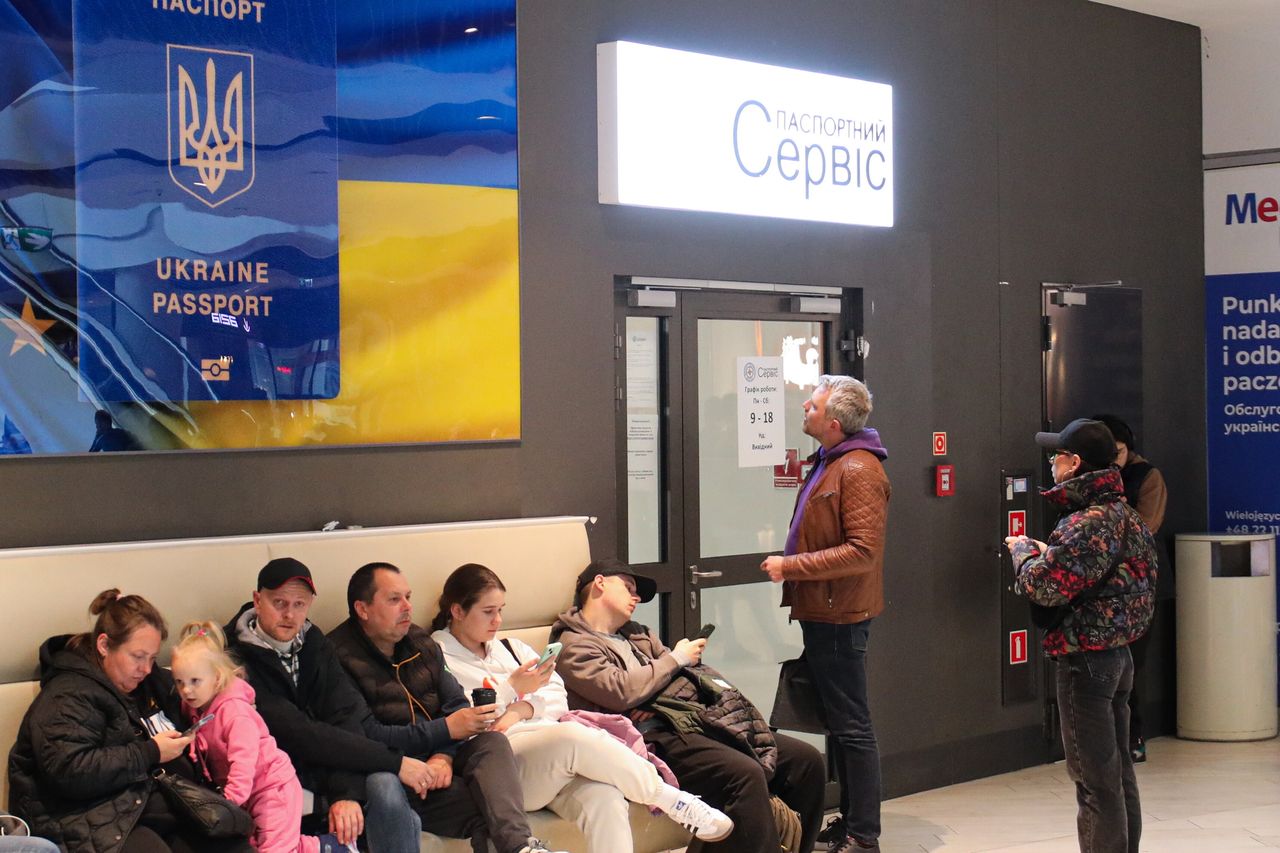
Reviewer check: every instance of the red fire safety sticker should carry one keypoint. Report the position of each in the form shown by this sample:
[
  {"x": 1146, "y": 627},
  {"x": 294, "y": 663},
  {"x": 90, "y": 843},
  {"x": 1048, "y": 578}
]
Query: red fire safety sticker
[
  {"x": 945, "y": 480},
  {"x": 1018, "y": 646},
  {"x": 1018, "y": 522}
]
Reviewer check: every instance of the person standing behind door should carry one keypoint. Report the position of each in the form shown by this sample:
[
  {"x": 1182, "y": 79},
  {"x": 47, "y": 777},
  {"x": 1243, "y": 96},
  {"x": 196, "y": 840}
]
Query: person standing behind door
[
  {"x": 1098, "y": 568},
  {"x": 832, "y": 571},
  {"x": 1146, "y": 492}
]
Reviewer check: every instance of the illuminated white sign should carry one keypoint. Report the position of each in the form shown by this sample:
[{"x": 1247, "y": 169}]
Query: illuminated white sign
[{"x": 694, "y": 132}]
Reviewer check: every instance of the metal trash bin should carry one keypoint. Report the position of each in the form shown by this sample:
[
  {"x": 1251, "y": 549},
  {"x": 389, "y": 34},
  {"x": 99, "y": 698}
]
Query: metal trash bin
[{"x": 1226, "y": 636}]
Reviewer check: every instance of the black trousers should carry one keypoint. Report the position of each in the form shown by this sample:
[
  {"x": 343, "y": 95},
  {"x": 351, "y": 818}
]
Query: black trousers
[
  {"x": 734, "y": 782},
  {"x": 145, "y": 840},
  {"x": 158, "y": 831},
  {"x": 1093, "y": 697}
]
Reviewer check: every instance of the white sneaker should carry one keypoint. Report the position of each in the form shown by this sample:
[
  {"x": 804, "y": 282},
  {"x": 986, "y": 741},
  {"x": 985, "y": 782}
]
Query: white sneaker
[
  {"x": 536, "y": 846},
  {"x": 704, "y": 821}
]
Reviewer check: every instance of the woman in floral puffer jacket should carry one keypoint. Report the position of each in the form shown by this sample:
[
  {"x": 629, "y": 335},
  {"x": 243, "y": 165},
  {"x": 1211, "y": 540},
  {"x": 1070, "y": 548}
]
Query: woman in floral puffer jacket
[{"x": 1098, "y": 568}]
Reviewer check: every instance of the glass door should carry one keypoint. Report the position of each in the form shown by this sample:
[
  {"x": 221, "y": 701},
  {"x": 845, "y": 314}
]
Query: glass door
[{"x": 703, "y": 504}]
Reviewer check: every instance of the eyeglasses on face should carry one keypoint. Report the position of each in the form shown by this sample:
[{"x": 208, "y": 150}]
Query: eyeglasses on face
[{"x": 1053, "y": 455}]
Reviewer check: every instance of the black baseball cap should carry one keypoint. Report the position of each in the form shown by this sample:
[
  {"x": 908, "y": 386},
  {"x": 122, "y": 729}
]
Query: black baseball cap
[
  {"x": 281, "y": 570},
  {"x": 646, "y": 587},
  {"x": 1090, "y": 440}
]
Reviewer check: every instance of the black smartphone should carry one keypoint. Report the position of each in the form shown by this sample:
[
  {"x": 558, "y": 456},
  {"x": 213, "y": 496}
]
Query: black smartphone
[{"x": 703, "y": 632}]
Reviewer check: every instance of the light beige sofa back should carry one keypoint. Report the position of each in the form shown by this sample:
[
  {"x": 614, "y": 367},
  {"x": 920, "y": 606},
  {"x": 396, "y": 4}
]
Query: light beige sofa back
[{"x": 47, "y": 590}]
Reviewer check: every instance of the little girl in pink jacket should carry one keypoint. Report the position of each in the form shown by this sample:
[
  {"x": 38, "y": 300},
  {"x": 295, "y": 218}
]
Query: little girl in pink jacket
[{"x": 239, "y": 753}]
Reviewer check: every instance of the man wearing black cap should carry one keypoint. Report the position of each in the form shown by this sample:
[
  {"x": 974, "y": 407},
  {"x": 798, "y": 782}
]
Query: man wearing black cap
[
  {"x": 1097, "y": 573},
  {"x": 614, "y": 665},
  {"x": 319, "y": 718}
]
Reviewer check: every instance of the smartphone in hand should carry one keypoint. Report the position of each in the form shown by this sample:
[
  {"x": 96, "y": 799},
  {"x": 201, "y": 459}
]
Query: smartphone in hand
[
  {"x": 703, "y": 632},
  {"x": 549, "y": 652},
  {"x": 198, "y": 725}
]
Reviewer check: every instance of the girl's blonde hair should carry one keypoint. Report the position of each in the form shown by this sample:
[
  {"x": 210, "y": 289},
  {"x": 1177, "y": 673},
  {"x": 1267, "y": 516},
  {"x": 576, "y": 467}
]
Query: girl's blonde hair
[{"x": 206, "y": 638}]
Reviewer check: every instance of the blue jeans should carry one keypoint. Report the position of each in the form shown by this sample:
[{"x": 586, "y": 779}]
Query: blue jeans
[
  {"x": 837, "y": 655},
  {"x": 1093, "y": 702},
  {"x": 390, "y": 825},
  {"x": 26, "y": 844}
]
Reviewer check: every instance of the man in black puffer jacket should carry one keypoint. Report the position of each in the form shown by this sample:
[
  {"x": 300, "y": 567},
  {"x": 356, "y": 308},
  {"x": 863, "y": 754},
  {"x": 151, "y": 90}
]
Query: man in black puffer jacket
[{"x": 401, "y": 673}]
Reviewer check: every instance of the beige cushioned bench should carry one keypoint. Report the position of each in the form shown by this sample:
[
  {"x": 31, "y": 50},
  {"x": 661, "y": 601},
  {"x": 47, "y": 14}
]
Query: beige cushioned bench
[{"x": 47, "y": 591}]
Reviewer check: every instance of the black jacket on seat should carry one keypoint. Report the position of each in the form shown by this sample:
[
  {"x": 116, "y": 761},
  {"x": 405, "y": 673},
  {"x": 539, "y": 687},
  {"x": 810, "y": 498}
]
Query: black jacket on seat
[{"x": 80, "y": 771}]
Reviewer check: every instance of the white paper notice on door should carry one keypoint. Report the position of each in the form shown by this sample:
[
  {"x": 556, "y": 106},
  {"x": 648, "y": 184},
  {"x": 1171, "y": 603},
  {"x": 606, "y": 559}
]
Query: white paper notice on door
[{"x": 761, "y": 415}]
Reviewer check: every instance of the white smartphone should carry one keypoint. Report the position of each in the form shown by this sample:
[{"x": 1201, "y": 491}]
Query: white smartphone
[{"x": 198, "y": 725}]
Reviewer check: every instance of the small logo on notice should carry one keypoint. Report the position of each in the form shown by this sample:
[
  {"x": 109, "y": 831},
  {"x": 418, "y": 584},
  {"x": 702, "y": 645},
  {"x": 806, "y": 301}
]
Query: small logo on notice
[
  {"x": 216, "y": 369},
  {"x": 749, "y": 372},
  {"x": 211, "y": 122}
]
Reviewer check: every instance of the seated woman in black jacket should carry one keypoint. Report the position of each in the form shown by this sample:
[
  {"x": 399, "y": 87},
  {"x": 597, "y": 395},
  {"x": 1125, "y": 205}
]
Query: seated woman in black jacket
[{"x": 81, "y": 770}]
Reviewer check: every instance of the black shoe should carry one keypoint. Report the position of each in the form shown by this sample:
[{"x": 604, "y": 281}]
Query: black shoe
[
  {"x": 1138, "y": 751},
  {"x": 850, "y": 845},
  {"x": 833, "y": 832}
]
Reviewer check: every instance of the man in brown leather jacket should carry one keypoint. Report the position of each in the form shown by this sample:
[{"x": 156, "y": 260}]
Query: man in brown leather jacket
[{"x": 832, "y": 571}]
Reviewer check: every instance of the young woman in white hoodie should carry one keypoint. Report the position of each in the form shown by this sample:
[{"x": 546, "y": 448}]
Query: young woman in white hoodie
[{"x": 555, "y": 759}]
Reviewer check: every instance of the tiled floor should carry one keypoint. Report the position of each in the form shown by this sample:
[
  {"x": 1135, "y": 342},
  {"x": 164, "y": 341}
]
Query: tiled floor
[{"x": 1211, "y": 797}]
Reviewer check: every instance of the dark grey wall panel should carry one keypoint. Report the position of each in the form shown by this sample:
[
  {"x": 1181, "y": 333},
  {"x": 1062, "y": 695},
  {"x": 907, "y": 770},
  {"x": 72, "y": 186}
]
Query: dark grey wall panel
[
  {"x": 1100, "y": 179},
  {"x": 1035, "y": 139}
]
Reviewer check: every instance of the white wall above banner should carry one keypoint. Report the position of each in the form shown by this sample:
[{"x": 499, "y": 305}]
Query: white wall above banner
[{"x": 688, "y": 131}]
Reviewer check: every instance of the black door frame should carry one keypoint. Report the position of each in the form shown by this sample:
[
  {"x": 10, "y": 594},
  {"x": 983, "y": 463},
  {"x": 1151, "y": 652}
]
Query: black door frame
[
  {"x": 677, "y": 370},
  {"x": 1056, "y": 378}
]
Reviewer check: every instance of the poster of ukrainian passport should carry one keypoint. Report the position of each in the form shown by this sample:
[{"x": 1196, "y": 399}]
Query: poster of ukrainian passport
[
  {"x": 207, "y": 199},
  {"x": 256, "y": 223}
]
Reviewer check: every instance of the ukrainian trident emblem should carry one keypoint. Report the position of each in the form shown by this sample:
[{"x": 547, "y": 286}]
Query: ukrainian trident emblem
[{"x": 211, "y": 121}]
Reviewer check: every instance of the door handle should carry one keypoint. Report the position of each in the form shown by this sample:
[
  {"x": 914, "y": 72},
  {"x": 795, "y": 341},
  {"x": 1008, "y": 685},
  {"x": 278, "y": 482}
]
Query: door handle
[{"x": 694, "y": 574}]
